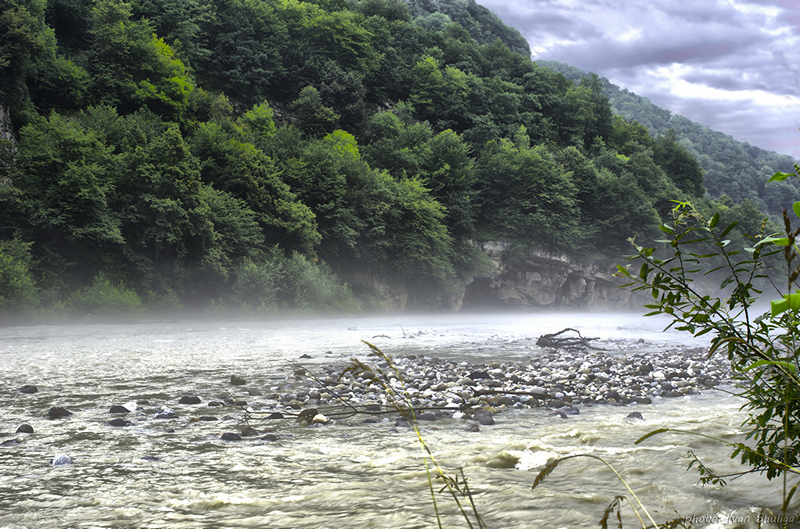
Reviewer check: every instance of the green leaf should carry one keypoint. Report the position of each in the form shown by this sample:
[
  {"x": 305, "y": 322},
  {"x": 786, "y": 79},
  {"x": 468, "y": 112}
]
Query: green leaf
[
  {"x": 780, "y": 177},
  {"x": 796, "y": 208},
  {"x": 714, "y": 221},
  {"x": 791, "y": 367}
]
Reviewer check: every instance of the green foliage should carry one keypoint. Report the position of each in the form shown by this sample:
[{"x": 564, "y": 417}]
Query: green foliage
[
  {"x": 104, "y": 299},
  {"x": 19, "y": 295},
  {"x": 292, "y": 283},
  {"x": 762, "y": 348}
]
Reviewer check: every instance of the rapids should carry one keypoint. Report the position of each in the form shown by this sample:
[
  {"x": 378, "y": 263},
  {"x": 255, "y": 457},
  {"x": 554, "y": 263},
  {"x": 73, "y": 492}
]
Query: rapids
[{"x": 346, "y": 474}]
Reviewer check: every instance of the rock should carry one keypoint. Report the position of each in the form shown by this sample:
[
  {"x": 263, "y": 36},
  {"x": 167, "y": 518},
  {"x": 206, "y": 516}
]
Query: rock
[
  {"x": 25, "y": 428},
  {"x": 186, "y": 399},
  {"x": 304, "y": 356},
  {"x": 166, "y": 413},
  {"x": 373, "y": 407},
  {"x": 271, "y": 437},
  {"x": 559, "y": 413},
  {"x": 29, "y": 389},
  {"x": 307, "y": 414},
  {"x": 370, "y": 420},
  {"x": 249, "y": 432},
  {"x": 320, "y": 419},
  {"x": 230, "y": 436},
  {"x": 10, "y": 442},
  {"x": 119, "y": 409},
  {"x": 208, "y": 418},
  {"x": 236, "y": 380},
  {"x": 473, "y": 427},
  {"x": 61, "y": 459},
  {"x": 426, "y": 416},
  {"x": 402, "y": 423},
  {"x": 275, "y": 415},
  {"x": 484, "y": 417},
  {"x": 635, "y": 415},
  {"x": 150, "y": 458},
  {"x": 58, "y": 412},
  {"x": 478, "y": 375},
  {"x": 119, "y": 422}
]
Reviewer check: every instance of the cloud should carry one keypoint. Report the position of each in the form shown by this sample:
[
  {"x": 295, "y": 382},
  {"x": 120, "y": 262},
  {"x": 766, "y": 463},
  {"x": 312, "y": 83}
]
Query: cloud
[{"x": 733, "y": 65}]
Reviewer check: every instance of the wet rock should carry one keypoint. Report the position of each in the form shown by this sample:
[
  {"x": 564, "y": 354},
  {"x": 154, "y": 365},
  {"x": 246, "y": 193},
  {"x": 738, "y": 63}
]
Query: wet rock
[
  {"x": 307, "y": 414},
  {"x": 186, "y": 399},
  {"x": 635, "y": 415},
  {"x": 560, "y": 414},
  {"x": 373, "y": 407},
  {"x": 473, "y": 427},
  {"x": 150, "y": 458},
  {"x": 402, "y": 423},
  {"x": 61, "y": 459},
  {"x": 271, "y": 437},
  {"x": 166, "y": 413},
  {"x": 10, "y": 442},
  {"x": 275, "y": 415},
  {"x": 305, "y": 356},
  {"x": 320, "y": 419},
  {"x": 483, "y": 417},
  {"x": 57, "y": 412},
  {"x": 25, "y": 428},
  {"x": 236, "y": 380},
  {"x": 230, "y": 436},
  {"x": 119, "y": 409},
  {"x": 28, "y": 389},
  {"x": 247, "y": 431},
  {"x": 426, "y": 416},
  {"x": 370, "y": 420},
  {"x": 119, "y": 422},
  {"x": 208, "y": 418}
]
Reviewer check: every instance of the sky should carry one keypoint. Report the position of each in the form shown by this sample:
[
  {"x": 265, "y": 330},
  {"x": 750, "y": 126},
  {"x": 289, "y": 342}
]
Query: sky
[{"x": 732, "y": 65}]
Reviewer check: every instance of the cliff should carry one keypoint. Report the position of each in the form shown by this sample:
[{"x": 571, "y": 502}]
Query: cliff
[{"x": 548, "y": 280}]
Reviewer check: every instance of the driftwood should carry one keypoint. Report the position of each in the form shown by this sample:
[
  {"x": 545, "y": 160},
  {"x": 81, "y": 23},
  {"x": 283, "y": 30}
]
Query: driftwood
[{"x": 557, "y": 341}]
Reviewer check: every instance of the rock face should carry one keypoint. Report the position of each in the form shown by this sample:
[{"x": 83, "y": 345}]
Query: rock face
[{"x": 541, "y": 279}]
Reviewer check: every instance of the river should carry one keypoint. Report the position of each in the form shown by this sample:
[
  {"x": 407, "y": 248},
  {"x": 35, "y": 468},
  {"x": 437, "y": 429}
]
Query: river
[{"x": 179, "y": 474}]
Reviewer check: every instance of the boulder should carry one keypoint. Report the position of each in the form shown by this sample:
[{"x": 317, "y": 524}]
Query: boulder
[
  {"x": 230, "y": 436},
  {"x": 61, "y": 459},
  {"x": 119, "y": 409},
  {"x": 57, "y": 412},
  {"x": 25, "y": 428},
  {"x": 166, "y": 413},
  {"x": 635, "y": 416},
  {"x": 186, "y": 399},
  {"x": 29, "y": 389},
  {"x": 484, "y": 417},
  {"x": 10, "y": 442},
  {"x": 249, "y": 432},
  {"x": 119, "y": 422},
  {"x": 426, "y": 416},
  {"x": 236, "y": 380}
]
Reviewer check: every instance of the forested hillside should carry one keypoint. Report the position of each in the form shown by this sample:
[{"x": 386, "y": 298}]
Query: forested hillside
[
  {"x": 288, "y": 155},
  {"x": 731, "y": 167}
]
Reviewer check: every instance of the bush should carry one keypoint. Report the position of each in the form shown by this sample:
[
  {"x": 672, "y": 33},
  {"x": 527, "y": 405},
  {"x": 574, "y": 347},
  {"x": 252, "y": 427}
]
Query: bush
[
  {"x": 19, "y": 294},
  {"x": 104, "y": 299}
]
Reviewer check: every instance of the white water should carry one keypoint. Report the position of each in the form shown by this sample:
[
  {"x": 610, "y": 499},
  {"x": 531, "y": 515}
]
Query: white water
[{"x": 349, "y": 474}]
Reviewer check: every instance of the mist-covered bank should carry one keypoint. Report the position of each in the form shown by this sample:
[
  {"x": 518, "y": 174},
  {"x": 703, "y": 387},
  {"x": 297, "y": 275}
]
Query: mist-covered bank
[{"x": 178, "y": 472}]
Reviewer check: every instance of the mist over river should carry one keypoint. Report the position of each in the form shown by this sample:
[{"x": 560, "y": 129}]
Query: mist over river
[{"x": 179, "y": 473}]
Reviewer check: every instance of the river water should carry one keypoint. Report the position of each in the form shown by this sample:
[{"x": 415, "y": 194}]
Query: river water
[{"x": 347, "y": 474}]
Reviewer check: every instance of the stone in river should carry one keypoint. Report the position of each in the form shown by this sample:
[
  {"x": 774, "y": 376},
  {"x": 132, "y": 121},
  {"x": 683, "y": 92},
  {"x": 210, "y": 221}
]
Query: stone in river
[
  {"x": 57, "y": 412},
  {"x": 166, "y": 413},
  {"x": 236, "y": 380},
  {"x": 271, "y": 437},
  {"x": 61, "y": 459},
  {"x": 10, "y": 442},
  {"x": 484, "y": 417},
  {"x": 275, "y": 415},
  {"x": 427, "y": 416},
  {"x": 119, "y": 422},
  {"x": 186, "y": 399},
  {"x": 635, "y": 415},
  {"x": 25, "y": 428},
  {"x": 249, "y": 432},
  {"x": 230, "y": 436},
  {"x": 119, "y": 409},
  {"x": 29, "y": 389},
  {"x": 473, "y": 427}
]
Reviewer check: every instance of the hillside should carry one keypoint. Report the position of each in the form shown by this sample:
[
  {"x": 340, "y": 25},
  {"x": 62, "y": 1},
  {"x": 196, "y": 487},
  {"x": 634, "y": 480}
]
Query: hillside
[
  {"x": 278, "y": 155},
  {"x": 733, "y": 168}
]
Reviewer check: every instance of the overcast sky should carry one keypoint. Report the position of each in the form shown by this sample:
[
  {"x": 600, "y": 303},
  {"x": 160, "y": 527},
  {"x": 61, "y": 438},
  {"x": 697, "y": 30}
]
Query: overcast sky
[{"x": 731, "y": 65}]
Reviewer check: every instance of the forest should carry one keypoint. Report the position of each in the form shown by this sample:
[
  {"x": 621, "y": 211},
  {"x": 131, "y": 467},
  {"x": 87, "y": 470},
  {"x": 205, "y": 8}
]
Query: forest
[{"x": 282, "y": 155}]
